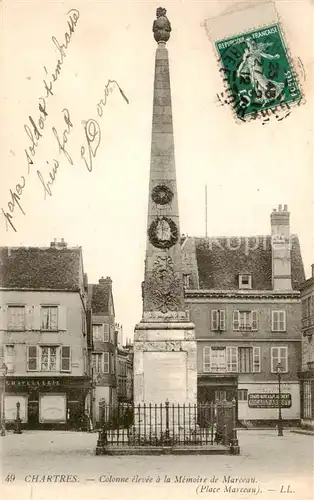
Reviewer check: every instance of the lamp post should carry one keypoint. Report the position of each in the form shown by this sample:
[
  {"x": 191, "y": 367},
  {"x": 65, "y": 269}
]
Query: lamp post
[
  {"x": 3, "y": 372},
  {"x": 279, "y": 369}
]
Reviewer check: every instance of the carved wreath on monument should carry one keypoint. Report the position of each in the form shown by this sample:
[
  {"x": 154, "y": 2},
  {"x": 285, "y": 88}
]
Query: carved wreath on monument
[
  {"x": 164, "y": 285},
  {"x": 163, "y": 232},
  {"x": 162, "y": 195}
]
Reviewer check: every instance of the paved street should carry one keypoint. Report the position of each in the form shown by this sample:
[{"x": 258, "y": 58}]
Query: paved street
[{"x": 48, "y": 464}]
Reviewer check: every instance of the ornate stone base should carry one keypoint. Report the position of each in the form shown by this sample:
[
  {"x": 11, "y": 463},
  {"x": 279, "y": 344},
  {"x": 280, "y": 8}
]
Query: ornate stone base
[{"x": 165, "y": 363}]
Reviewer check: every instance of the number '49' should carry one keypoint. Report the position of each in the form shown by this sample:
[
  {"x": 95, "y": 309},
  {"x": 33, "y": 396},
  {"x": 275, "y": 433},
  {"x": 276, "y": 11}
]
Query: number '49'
[{"x": 10, "y": 478}]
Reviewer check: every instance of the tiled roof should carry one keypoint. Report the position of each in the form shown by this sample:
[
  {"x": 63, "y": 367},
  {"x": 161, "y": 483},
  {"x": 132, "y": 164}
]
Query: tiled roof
[
  {"x": 220, "y": 260},
  {"x": 99, "y": 297},
  {"x": 45, "y": 268}
]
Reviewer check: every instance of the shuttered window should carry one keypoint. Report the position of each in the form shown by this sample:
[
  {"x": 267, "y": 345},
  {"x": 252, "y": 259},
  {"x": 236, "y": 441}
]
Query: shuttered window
[
  {"x": 65, "y": 359},
  {"x": 245, "y": 320},
  {"x": 218, "y": 319},
  {"x": 278, "y": 321},
  {"x": 32, "y": 357},
  {"x": 206, "y": 359}
]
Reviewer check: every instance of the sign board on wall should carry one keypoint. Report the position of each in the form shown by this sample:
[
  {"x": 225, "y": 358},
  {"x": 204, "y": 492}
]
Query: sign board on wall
[
  {"x": 269, "y": 400},
  {"x": 52, "y": 408}
]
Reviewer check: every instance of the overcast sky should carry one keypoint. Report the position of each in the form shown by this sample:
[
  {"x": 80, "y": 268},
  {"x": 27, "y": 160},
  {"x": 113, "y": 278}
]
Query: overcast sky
[{"x": 249, "y": 168}]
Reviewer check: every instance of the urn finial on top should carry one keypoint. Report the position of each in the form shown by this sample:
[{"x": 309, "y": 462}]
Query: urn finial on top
[{"x": 161, "y": 26}]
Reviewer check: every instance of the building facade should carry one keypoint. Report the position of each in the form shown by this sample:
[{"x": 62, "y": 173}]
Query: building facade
[
  {"x": 125, "y": 373},
  {"x": 243, "y": 296},
  {"x": 43, "y": 335},
  {"x": 104, "y": 346},
  {"x": 307, "y": 368}
]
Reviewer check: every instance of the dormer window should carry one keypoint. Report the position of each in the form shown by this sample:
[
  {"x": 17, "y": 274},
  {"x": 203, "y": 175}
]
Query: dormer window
[{"x": 245, "y": 281}]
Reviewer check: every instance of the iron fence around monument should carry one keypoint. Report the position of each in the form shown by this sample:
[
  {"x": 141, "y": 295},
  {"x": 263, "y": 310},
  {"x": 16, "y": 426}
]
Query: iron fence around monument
[{"x": 167, "y": 424}]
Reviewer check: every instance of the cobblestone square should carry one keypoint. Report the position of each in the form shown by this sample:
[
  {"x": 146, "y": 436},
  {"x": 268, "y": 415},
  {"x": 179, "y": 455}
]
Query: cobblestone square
[{"x": 50, "y": 464}]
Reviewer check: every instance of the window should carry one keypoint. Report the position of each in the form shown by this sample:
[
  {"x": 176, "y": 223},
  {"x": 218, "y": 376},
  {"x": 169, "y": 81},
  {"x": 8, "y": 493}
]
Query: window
[
  {"x": 16, "y": 318},
  {"x": 220, "y": 359},
  {"x": 220, "y": 395},
  {"x": 112, "y": 334},
  {"x": 112, "y": 363},
  {"x": 106, "y": 332},
  {"x": 242, "y": 394},
  {"x": 48, "y": 359},
  {"x": 232, "y": 359},
  {"x": 32, "y": 358},
  {"x": 278, "y": 323},
  {"x": 98, "y": 333},
  {"x": 7, "y": 357},
  {"x": 279, "y": 355},
  {"x": 306, "y": 307},
  {"x": 245, "y": 281},
  {"x": 65, "y": 359},
  {"x": 186, "y": 280},
  {"x": 206, "y": 359},
  {"x": 100, "y": 362},
  {"x": 245, "y": 320},
  {"x": 49, "y": 318},
  {"x": 218, "y": 319},
  {"x": 249, "y": 359}
]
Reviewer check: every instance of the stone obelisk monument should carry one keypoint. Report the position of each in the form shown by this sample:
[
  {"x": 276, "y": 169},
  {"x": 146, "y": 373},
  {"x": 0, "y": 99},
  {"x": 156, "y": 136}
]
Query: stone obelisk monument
[{"x": 164, "y": 340}]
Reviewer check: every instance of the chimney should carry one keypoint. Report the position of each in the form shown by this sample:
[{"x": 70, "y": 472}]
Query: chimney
[
  {"x": 53, "y": 243},
  {"x": 105, "y": 281},
  {"x": 281, "y": 251},
  {"x": 312, "y": 270}
]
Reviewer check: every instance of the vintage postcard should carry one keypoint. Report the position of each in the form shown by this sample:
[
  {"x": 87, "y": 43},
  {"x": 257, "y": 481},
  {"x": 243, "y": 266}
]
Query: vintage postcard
[{"x": 156, "y": 249}]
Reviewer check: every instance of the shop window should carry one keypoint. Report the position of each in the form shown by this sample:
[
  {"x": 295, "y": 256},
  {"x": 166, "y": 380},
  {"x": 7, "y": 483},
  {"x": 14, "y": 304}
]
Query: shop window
[
  {"x": 242, "y": 394},
  {"x": 10, "y": 407},
  {"x": 52, "y": 408},
  {"x": 16, "y": 318}
]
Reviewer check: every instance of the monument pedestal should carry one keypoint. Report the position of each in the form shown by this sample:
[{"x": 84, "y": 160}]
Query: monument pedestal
[
  {"x": 165, "y": 363},
  {"x": 165, "y": 379}
]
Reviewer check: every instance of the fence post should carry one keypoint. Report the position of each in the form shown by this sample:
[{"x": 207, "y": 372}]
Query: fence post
[
  {"x": 167, "y": 437},
  {"x": 234, "y": 448}
]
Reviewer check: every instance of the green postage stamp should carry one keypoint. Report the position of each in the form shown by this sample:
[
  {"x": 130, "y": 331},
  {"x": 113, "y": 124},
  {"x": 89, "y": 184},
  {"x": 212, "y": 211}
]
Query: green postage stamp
[{"x": 257, "y": 70}]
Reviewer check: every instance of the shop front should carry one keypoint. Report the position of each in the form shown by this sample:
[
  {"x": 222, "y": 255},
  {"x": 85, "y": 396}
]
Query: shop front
[
  {"x": 47, "y": 402},
  {"x": 258, "y": 403},
  {"x": 212, "y": 388}
]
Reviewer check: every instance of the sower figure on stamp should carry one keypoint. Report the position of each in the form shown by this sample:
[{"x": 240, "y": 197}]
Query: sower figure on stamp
[
  {"x": 252, "y": 65},
  {"x": 161, "y": 26}
]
